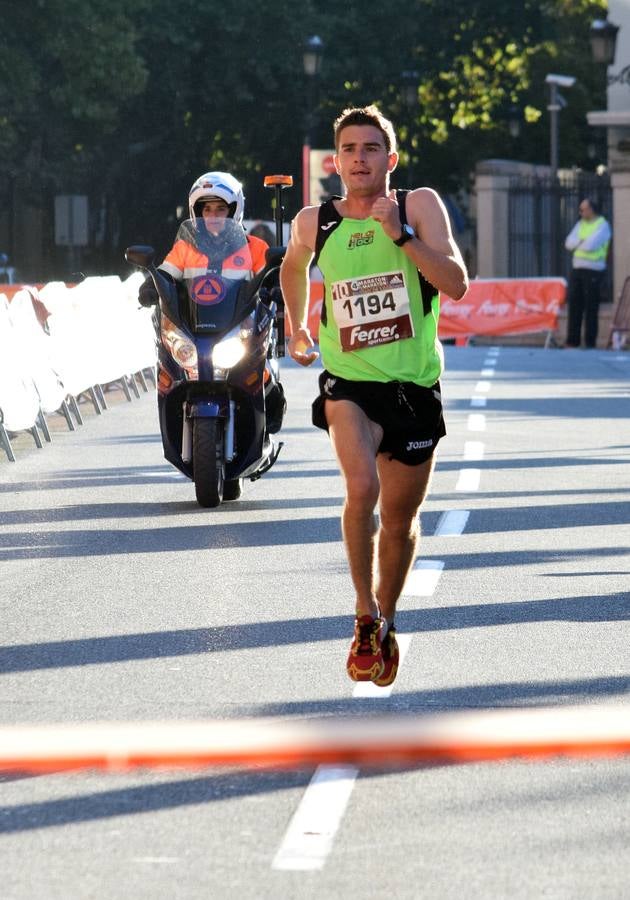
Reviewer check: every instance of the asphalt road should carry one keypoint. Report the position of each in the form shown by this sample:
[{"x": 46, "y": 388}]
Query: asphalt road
[{"x": 122, "y": 600}]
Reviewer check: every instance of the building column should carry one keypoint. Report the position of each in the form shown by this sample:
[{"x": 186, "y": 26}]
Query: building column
[
  {"x": 492, "y": 225},
  {"x": 620, "y": 182}
]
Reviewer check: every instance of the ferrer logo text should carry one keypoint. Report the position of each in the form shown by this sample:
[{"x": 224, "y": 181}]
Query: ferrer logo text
[{"x": 373, "y": 336}]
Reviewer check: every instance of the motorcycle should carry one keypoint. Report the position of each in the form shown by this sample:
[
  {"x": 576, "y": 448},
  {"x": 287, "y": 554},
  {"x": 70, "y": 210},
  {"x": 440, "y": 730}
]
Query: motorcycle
[{"x": 219, "y": 338}]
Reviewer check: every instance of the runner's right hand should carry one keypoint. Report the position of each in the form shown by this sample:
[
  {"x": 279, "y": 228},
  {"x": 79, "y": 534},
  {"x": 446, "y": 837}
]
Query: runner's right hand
[{"x": 301, "y": 347}]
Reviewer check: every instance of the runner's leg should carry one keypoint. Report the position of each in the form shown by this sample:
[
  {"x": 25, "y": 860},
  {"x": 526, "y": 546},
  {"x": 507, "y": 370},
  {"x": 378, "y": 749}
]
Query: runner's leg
[
  {"x": 355, "y": 439},
  {"x": 403, "y": 488}
]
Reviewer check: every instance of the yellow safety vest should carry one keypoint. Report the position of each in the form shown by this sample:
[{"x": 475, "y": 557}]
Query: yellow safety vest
[{"x": 585, "y": 230}]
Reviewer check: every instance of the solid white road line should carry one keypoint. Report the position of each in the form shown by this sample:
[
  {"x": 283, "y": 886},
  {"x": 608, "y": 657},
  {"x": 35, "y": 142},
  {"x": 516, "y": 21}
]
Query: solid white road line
[
  {"x": 468, "y": 480},
  {"x": 452, "y": 523},
  {"x": 311, "y": 832},
  {"x": 473, "y": 451},
  {"x": 476, "y": 422},
  {"x": 368, "y": 688}
]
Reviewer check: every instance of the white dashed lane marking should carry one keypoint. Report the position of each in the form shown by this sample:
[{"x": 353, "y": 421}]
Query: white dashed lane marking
[
  {"x": 311, "y": 832},
  {"x": 423, "y": 578},
  {"x": 476, "y": 422},
  {"x": 452, "y": 523},
  {"x": 473, "y": 451},
  {"x": 468, "y": 480}
]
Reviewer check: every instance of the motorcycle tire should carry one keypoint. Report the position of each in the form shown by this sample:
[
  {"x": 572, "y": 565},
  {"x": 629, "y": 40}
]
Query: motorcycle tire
[
  {"x": 208, "y": 461},
  {"x": 232, "y": 489}
]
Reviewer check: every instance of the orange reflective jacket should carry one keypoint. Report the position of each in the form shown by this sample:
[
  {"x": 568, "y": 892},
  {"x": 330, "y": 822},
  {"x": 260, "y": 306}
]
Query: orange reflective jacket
[{"x": 184, "y": 261}]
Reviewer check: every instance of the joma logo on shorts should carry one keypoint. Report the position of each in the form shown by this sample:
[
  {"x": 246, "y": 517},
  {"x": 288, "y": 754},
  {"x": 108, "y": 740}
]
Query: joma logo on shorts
[{"x": 419, "y": 445}]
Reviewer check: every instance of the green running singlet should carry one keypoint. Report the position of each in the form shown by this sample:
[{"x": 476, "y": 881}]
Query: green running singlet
[{"x": 380, "y": 315}]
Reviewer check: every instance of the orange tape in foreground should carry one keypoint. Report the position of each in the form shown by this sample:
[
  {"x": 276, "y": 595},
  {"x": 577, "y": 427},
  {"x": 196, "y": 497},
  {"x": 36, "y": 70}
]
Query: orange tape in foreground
[{"x": 377, "y": 741}]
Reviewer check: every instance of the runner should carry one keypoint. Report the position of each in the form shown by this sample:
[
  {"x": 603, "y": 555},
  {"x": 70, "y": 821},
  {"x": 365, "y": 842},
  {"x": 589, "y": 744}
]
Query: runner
[{"x": 384, "y": 256}]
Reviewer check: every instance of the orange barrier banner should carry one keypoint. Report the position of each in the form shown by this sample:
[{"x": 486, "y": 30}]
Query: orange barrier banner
[
  {"x": 490, "y": 306},
  {"x": 446, "y": 738},
  {"x": 503, "y": 306}
]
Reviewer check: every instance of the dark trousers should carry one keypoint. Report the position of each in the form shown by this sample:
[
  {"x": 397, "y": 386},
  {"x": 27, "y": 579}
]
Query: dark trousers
[{"x": 584, "y": 293}]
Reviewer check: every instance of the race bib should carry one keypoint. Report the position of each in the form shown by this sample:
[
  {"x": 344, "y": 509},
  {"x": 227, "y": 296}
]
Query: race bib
[{"x": 372, "y": 311}]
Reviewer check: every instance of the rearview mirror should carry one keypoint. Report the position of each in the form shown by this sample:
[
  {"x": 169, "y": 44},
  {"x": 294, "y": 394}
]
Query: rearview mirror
[{"x": 140, "y": 255}]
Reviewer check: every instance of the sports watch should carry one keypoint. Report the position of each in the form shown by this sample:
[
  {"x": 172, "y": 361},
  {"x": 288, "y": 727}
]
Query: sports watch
[{"x": 407, "y": 234}]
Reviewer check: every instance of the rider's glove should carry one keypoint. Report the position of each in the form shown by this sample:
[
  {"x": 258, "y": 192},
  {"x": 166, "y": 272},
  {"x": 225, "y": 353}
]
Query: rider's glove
[{"x": 147, "y": 294}]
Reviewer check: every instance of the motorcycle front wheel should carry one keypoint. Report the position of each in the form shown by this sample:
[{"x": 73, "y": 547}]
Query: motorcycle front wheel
[{"x": 208, "y": 461}]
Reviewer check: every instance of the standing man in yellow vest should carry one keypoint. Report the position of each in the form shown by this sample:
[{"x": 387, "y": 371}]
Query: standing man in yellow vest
[{"x": 589, "y": 241}]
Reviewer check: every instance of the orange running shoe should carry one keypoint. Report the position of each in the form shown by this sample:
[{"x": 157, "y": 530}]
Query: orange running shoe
[
  {"x": 391, "y": 658},
  {"x": 365, "y": 660}
]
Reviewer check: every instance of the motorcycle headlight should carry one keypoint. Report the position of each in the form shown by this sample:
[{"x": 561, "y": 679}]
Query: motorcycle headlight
[
  {"x": 230, "y": 351},
  {"x": 179, "y": 345}
]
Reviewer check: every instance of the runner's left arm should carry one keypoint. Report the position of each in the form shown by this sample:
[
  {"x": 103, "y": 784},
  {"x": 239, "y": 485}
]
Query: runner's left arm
[{"x": 434, "y": 251}]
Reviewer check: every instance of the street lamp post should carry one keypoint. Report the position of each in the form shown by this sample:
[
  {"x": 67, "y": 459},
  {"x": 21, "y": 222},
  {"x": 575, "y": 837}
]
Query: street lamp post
[
  {"x": 556, "y": 104},
  {"x": 312, "y": 62},
  {"x": 409, "y": 93}
]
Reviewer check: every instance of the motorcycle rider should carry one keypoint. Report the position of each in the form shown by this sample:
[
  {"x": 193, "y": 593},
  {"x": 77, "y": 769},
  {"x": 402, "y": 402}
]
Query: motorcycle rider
[{"x": 205, "y": 246}]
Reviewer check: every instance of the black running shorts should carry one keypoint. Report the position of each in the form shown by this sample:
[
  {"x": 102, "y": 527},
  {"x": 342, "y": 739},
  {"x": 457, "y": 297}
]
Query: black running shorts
[{"x": 410, "y": 416}]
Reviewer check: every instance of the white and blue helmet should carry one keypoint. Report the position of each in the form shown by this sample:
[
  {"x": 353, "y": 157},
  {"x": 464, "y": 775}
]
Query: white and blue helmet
[{"x": 221, "y": 185}]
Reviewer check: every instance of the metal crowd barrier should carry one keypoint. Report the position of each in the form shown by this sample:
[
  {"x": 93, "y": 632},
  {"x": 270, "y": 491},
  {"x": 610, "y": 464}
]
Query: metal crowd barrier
[{"x": 59, "y": 342}]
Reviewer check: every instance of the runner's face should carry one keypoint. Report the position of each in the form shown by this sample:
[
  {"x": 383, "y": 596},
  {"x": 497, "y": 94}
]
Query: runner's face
[
  {"x": 214, "y": 213},
  {"x": 363, "y": 161}
]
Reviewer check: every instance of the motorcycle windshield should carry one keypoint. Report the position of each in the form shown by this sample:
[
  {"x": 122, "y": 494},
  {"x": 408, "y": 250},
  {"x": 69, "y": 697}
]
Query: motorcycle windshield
[{"x": 215, "y": 259}]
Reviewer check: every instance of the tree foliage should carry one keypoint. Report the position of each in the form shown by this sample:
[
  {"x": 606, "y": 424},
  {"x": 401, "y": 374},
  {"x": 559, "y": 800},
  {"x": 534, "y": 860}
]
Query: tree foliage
[
  {"x": 67, "y": 71},
  {"x": 129, "y": 103}
]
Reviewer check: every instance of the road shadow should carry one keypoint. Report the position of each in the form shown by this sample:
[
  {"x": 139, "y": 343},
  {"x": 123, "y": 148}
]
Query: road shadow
[
  {"x": 146, "y": 798},
  {"x": 226, "y": 638},
  {"x": 160, "y": 509}
]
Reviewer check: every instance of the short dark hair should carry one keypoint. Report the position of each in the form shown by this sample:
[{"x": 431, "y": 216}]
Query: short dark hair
[
  {"x": 366, "y": 115},
  {"x": 594, "y": 204}
]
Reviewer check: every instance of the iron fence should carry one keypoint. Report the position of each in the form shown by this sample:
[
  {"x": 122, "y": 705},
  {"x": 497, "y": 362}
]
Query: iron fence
[{"x": 541, "y": 212}]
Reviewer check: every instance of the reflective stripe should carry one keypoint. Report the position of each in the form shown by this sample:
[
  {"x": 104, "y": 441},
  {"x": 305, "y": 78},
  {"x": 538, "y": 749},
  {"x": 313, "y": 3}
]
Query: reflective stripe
[
  {"x": 236, "y": 274},
  {"x": 172, "y": 270}
]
